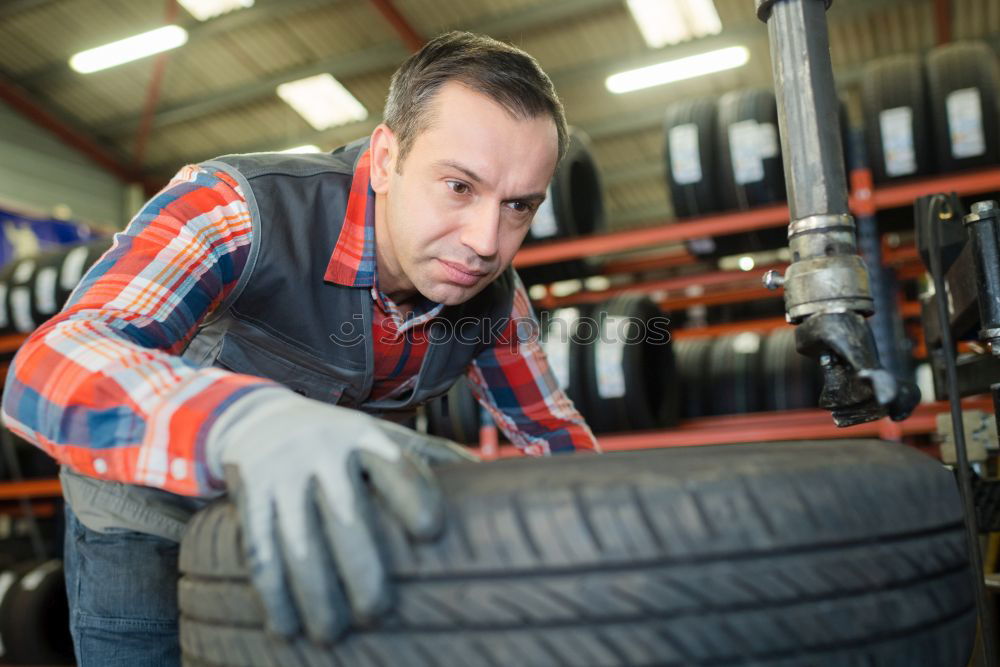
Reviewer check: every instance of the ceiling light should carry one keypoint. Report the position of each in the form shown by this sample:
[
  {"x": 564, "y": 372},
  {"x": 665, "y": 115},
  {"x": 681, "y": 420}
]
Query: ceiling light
[
  {"x": 664, "y": 22},
  {"x": 746, "y": 263},
  {"x": 307, "y": 148},
  {"x": 678, "y": 70},
  {"x": 129, "y": 49},
  {"x": 322, "y": 101},
  {"x": 207, "y": 9}
]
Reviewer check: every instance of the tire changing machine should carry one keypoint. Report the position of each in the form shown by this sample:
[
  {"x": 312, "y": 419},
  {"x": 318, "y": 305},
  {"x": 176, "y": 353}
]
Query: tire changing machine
[{"x": 827, "y": 292}]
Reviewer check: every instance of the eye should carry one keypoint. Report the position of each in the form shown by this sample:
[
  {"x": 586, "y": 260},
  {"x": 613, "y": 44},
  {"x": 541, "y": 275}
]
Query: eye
[
  {"x": 458, "y": 187},
  {"x": 522, "y": 207}
]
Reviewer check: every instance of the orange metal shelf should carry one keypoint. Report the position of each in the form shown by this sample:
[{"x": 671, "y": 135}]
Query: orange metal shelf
[
  {"x": 964, "y": 183},
  {"x": 768, "y": 427},
  {"x": 30, "y": 488},
  {"x": 766, "y": 324},
  {"x": 893, "y": 196}
]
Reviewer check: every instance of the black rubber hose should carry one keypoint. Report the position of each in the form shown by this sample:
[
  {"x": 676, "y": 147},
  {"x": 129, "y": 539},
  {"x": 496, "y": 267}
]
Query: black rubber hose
[{"x": 937, "y": 208}]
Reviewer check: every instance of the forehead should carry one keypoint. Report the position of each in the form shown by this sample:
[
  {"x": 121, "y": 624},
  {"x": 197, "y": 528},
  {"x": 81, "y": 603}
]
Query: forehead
[{"x": 464, "y": 124}]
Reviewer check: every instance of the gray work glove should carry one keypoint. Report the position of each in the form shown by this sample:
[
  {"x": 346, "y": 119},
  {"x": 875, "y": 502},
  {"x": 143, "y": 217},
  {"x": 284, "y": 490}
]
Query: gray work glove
[{"x": 296, "y": 469}]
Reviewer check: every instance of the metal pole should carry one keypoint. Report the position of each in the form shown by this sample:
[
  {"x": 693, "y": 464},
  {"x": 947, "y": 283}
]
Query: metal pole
[{"x": 807, "y": 107}]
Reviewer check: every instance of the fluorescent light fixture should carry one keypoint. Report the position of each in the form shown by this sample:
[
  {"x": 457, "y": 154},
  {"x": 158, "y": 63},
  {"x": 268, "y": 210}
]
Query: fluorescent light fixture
[
  {"x": 129, "y": 49},
  {"x": 678, "y": 70},
  {"x": 307, "y": 148},
  {"x": 208, "y": 9},
  {"x": 322, "y": 101},
  {"x": 664, "y": 22}
]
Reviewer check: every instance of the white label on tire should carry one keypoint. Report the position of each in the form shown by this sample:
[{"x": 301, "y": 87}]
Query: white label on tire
[
  {"x": 544, "y": 225},
  {"x": 7, "y": 580},
  {"x": 685, "y": 158},
  {"x": 610, "y": 353},
  {"x": 767, "y": 136},
  {"x": 45, "y": 290},
  {"x": 30, "y": 581},
  {"x": 20, "y": 307},
  {"x": 746, "y": 343},
  {"x": 702, "y": 245},
  {"x": 744, "y": 150},
  {"x": 72, "y": 268},
  {"x": 897, "y": 141},
  {"x": 22, "y": 273},
  {"x": 557, "y": 341},
  {"x": 965, "y": 123},
  {"x": 3, "y": 305}
]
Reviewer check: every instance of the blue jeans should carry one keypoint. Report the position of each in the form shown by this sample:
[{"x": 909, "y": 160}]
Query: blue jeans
[{"x": 122, "y": 589}]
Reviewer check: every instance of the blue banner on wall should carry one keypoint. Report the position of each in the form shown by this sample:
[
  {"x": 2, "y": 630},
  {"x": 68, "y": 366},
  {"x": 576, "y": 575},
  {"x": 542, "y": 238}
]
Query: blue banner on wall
[{"x": 22, "y": 235}]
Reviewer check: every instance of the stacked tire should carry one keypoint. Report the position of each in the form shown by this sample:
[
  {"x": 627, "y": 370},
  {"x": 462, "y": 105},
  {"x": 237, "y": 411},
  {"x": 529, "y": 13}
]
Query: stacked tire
[
  {"x": 725, "y": 154},
  {"x": 745, "y": 372},
  {"x": 34, "y": 615},
  {"x": 33, "y": 289},
  {"x": 954, "y": 98}
]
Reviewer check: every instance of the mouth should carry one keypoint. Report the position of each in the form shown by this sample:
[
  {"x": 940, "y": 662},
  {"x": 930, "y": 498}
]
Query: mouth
[{"x": 462, "y": 274}]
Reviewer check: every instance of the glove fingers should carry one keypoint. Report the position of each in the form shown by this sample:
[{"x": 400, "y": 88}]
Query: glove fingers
[
  {"x": 432, "y": 449},
  {"x": 310, "y": 568},
  {"x": 257, "y": 516},
  {"x": 409, "y": 489},
  {"x": 354, "y": 548}
]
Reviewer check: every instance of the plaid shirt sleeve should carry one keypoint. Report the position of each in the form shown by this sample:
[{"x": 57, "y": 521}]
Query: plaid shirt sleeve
[
  {"x": 513, "y": 381},
  {"x": 100, "y": 386}
]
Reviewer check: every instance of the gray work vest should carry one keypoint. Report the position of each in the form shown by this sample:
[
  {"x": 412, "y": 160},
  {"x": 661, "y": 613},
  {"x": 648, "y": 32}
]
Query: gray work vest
[{"x": 284, "y": 322}]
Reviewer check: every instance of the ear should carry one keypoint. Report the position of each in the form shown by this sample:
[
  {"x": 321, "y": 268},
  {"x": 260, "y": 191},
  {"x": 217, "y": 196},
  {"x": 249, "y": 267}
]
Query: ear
[{"x": 385, "y": 149}]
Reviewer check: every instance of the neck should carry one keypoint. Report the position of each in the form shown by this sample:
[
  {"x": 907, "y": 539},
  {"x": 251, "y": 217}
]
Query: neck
[{"x": 391, "y": 279}]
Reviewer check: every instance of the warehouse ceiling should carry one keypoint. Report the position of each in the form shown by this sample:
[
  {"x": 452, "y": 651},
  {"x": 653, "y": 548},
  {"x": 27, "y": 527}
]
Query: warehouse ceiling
[{"x": 217, "y": 93}]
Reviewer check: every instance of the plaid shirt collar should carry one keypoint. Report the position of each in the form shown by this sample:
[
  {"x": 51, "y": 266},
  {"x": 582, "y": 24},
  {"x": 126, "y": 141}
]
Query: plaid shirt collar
[{"x": 352, "y": 263}]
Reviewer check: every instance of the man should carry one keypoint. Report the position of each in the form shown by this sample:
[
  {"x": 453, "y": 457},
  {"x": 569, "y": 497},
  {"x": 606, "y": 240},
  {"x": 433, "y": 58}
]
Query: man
[{"x": 246, "y": 328}]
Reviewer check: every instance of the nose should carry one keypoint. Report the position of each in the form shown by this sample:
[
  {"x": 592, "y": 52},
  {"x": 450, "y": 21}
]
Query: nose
[{"x": 481, "y": 230}]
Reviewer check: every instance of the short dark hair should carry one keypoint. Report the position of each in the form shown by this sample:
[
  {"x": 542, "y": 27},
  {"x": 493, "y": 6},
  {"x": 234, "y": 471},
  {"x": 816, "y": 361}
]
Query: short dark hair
[{"x": 502, "y": 72}]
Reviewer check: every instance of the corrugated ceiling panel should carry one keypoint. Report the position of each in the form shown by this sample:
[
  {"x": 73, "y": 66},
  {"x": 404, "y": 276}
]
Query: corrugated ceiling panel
[
  {"x": 370, "y": 90},
  {"x": 609, "y": 34},
  {"x": 342, "y": 28},
  {"x": 430, "y": 17}
]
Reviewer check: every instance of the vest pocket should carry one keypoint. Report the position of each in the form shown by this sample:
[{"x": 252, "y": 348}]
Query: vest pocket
[{"x": 278, "y": 361}]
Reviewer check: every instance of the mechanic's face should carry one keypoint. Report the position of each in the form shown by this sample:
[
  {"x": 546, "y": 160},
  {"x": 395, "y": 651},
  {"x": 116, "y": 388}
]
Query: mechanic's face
[{"x": 451, "y": 216}]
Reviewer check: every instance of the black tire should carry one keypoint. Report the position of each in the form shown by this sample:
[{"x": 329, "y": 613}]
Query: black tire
[
  {"x": 563, "y": 350},
  {"x": 455, "y": 415},
  {"x": 776, "y": 554},
  {"x": 690, "y": 155},
  {"x": 888, "y": 85},
  {"x": 33, "y": 289},
  {"x": 964, "y": 84},
  {"x": 638, "y": 390},
  {"x": 734, "y": 373},
  {"x": 692, "y": 375},
  {"x": 577, "y": 204},
  {"x": 741, "y": 187},
  {"x": 34, "y": 617},
  {"x": 792, "y": 380}
]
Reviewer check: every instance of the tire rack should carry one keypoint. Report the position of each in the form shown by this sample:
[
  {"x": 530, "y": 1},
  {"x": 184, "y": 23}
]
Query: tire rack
[
  {"x": 737, "y": 286},
  {"x": 790, "y": 424}
]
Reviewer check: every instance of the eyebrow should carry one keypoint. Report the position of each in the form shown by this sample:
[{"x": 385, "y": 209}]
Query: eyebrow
[{"x": 473, "y": 176}]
